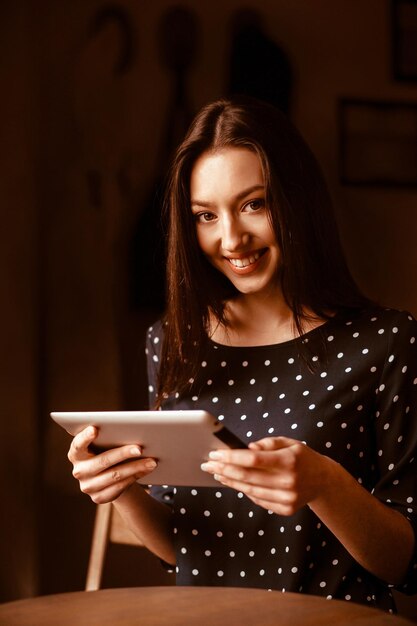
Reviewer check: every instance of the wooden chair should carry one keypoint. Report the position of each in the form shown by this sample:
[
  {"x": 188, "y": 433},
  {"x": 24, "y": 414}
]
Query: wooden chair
[{"x": 108, "y": 527}]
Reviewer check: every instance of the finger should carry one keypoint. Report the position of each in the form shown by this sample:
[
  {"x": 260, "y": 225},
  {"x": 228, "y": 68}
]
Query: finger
[
  {"x": 266, "y": 497},
  {"x": 244, "y": 458},
  {"x": 115, "y": 456},
  {"x": 112, "y": 492},
  {"x": 271, "y": 459},
  {"x": 242, "y": 474},
  {"x": 273, "y": 443},
  {"x": 79, "y": 445},
  {"x": 117, "y": 474},
  {"x": 275, "y": 507},
  {"x": 99, "y": 463}
]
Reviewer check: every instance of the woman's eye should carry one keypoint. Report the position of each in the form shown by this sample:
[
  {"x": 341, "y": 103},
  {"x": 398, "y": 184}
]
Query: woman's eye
[
  {"x": 254, "y": 205},
  {"x": 204, "y": 217}
]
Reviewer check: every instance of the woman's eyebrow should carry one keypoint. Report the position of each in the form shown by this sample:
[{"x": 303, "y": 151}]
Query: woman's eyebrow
[
  {"x": 248, "y": 191},
  {"x": 242, "y": 194},
  {"x": 201, "y": 203}
]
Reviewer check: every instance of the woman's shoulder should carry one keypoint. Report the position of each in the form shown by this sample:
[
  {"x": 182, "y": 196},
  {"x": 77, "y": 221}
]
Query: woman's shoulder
[
  {"x": 154, "y": 339},
  {"x": 155, "y": 332},
  {"x": 385, "y": 323},
  {"x": 375, "y": 315}
]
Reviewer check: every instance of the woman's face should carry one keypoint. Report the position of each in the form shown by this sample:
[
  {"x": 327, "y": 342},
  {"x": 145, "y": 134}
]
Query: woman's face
[{"x": 233, "y": 228}]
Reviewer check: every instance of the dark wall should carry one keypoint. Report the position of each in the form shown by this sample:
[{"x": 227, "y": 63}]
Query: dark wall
[{"x": 90, "y": 113}]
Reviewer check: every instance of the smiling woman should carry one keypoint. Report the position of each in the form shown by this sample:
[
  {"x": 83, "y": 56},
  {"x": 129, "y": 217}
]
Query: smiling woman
[
  {"x": 233, "y": 151},
  {"x": 234, "y": 230},
  {"x": 265, "y": 328}
]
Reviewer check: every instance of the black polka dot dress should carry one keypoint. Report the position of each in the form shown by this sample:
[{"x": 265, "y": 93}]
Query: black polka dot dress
[{"x": 356, "y": 402}]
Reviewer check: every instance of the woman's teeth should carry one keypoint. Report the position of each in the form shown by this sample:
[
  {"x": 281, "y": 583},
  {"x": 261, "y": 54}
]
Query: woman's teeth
[{"x": 245, "y": 262}]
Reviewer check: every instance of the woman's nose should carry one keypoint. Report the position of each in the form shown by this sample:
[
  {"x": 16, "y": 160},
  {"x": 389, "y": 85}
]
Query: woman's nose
[{"x": 234, "y": 236}]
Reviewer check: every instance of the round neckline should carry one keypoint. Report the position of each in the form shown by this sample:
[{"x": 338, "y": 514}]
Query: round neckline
[{"x": 301, "y": 339}]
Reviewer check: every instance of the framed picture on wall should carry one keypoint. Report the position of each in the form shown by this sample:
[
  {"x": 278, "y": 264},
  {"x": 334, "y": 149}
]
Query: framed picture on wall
[
  {"x": 404, "y": 39},
  {"x": 377, "y": 143}
]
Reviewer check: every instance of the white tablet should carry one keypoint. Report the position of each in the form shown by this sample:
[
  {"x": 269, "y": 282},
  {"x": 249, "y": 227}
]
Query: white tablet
[{"x": 179, "y": 440}]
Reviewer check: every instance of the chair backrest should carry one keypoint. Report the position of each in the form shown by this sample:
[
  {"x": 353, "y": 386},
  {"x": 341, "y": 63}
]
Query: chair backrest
[{"x": 108, "y": 527}]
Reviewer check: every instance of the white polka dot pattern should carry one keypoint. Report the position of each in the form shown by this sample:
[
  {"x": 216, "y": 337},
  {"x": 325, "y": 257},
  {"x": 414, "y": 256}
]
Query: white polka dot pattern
[{"x": 357, "y": 404}]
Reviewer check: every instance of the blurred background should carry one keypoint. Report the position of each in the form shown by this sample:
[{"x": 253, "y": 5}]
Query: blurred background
[{"x": 95, "y": 96}]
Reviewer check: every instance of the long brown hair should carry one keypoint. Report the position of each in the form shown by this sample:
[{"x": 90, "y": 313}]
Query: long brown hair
[{"x": 314, "y": 273}]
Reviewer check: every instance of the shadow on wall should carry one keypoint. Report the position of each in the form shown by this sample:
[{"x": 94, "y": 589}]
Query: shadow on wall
[
  {"x": 106, "y": 232},
  {"x": 257, "y": 67}
]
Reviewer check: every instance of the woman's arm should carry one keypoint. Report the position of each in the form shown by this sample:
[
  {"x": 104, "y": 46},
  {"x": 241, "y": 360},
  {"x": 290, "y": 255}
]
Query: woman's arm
[
  {"x": 111, "y": 477},
  {"x": 378, "y": 537},
  {"x": 283, "y": 475},
  {"x": 149, "y": 520}
]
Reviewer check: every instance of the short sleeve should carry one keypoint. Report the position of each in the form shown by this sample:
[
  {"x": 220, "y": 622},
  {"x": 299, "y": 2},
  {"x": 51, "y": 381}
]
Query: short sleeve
[
  {"x": 153, "y": 352},
  {"x": 396, "y": 428},
  {"x": 162, "y": 493}
]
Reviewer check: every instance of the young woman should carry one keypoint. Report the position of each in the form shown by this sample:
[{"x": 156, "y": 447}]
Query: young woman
[{"x": 266, "y": 329}]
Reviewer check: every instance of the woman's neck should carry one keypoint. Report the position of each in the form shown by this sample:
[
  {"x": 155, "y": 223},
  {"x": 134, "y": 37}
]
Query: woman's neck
[
  {"x": 259, "y": 321},
  {"x": 254, "y": 320}
]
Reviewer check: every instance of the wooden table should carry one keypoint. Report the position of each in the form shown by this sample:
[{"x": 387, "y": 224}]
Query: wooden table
[{"x": 186, "y": 606}]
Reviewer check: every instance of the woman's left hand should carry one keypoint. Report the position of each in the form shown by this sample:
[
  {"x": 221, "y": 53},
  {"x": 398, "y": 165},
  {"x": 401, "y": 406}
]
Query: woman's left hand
[{"x": 277, "y": 473}]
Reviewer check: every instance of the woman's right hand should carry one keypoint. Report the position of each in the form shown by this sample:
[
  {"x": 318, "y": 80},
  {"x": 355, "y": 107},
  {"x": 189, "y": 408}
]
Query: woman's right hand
[{"x": 105, "y": 476}]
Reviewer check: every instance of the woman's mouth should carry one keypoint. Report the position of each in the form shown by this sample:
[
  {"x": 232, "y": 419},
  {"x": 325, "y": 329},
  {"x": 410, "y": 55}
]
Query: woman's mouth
[{"x": 247, "y": 263}]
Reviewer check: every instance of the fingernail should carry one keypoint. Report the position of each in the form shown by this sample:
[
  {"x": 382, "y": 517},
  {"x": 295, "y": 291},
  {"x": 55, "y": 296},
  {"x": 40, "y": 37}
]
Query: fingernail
[
  {"x": 205, "y": 467},
  {"x": 135, "y": 451},
  {"x": 150, "y": 465},
  {"x": 216, "y": 455},
  {"x": 91, "y": 431}
]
